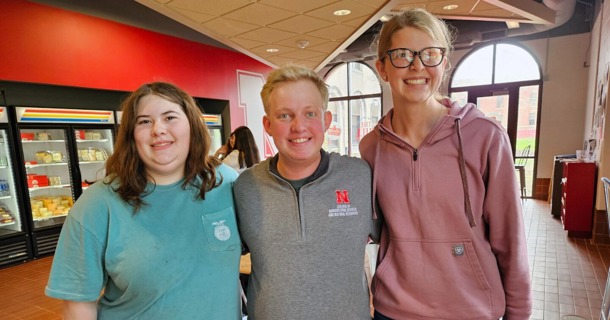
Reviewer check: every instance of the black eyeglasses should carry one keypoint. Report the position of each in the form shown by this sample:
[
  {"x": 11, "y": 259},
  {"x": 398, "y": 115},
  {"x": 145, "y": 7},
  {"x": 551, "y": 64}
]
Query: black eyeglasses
[{"x": 429, "y": 57}]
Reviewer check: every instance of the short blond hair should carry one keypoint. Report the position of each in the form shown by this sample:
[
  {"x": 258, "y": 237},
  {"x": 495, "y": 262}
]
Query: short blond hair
[{"x": 293, "y": 73}]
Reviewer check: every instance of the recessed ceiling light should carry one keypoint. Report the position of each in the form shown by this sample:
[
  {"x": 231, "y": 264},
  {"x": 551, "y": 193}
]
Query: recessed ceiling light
[
  {"x": 271, "y": 50},
  {"x": 384, "y": 18},
  {"x": 512, "y": 24},
  {"x": 343, "y": 12},
  {"x": 450, "y": 7},
  {"x": 302, "y": 44}
]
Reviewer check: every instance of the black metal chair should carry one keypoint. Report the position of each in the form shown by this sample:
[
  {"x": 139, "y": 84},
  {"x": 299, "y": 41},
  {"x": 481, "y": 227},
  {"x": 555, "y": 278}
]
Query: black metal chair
[{"x": 520, "y": 166}]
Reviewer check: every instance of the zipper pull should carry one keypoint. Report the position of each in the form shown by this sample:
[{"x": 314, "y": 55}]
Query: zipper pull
[{"x": 415, "y": 155}]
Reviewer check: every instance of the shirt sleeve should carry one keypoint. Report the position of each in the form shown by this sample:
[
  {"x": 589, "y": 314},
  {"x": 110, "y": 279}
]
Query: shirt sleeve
[
  {"x": 77, "y": 273},
  {"x": 502, "y": 210}
]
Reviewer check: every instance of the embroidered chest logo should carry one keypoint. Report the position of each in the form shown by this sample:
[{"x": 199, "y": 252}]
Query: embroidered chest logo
[
  {"x": 221, "y": 232},
  {"x": 344, "y": 207},
  {"x": 342, "y": 196},
  {"x": 458, "y": 250}
]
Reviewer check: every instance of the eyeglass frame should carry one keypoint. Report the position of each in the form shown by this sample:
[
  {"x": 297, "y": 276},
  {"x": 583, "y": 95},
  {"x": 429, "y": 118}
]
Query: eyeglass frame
[{"x": 418, "y": 54}]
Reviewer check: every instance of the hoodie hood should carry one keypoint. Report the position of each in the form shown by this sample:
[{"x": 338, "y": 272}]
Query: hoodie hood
[{"x": 451, "y": 124}]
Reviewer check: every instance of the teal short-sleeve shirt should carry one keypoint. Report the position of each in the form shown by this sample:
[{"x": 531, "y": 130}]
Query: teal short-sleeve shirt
[{"x": 176, "y": 258}]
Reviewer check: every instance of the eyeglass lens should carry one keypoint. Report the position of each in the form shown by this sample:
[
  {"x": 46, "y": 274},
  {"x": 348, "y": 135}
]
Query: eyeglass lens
[{"x": 402, "y": 57}]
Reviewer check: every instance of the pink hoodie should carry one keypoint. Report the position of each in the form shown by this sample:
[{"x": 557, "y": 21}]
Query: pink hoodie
[{"x": 453, "y": 243}]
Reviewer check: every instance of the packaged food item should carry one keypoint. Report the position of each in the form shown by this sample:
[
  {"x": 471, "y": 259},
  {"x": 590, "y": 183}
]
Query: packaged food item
[
  {"x": 92, "y": 154},
  {"x": 43, "y": 157},
  {"x": 49, "y": 156},
  {"x": 55, "y": 181},
  {"x": 27, "y": 136},
  {"x": 50, "y": 206},
  {"x": 43, "y": 136},
  {"x": 79, "y": 134},
  {"x": 57, "y": 156},
  {"x": 37, "y": 180}
]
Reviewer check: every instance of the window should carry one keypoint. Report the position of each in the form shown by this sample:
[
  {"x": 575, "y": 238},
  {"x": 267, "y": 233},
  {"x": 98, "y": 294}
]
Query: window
[
  {"x": 355, "y": 104},
  {"x": 504, "y": 81}
]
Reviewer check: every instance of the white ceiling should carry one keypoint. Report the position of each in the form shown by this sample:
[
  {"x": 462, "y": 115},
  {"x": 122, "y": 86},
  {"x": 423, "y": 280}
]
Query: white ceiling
[{"x": 306, "y": 32}]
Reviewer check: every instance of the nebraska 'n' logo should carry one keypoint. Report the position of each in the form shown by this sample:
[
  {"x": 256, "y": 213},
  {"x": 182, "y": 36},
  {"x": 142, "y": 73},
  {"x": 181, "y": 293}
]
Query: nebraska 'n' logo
[{"x": 342, "y": 196}]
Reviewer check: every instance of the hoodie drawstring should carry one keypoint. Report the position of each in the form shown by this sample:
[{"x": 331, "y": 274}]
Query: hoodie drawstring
[
  {"x": 375, "y": 176},
  {"x": 467, "y": 204}
]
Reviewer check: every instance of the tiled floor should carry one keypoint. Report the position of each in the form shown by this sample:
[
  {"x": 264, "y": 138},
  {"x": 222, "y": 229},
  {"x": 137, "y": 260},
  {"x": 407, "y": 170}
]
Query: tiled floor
[
  {"x": 22, "y": 292},
  {"x": 568, "y": 275}
]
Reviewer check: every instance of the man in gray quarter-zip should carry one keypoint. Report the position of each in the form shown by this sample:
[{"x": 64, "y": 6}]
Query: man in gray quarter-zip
[{"x": 305, "y": 214}]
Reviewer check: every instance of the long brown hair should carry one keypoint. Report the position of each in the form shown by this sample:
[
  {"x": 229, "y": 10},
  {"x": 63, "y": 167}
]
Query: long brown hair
[
  {"x": 245, "y": 144},
  {"x": 125, "y": 164}
]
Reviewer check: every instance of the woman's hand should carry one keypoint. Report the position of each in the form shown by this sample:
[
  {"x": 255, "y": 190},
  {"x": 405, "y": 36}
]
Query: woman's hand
[{"x": 221, "y": 152}]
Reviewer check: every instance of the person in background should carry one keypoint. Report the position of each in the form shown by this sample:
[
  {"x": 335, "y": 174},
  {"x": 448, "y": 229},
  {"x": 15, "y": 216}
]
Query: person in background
[
  {"x": 241, "y": 151},
  {"x": 453, "y": 243},
  {"x": 304, "y": 214},
  {"x": 157, "y": 238}
]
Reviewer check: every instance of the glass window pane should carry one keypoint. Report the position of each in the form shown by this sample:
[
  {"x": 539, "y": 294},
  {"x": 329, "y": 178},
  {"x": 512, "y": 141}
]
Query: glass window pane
[
  {"x": 526, "y": 133},
  {"x": 475, "y": 70},
  {"x": 337, "y": 81},
  {"x": 337, "y": 134},
  {"x": 495, "y": 107},
  {"x": 513, "y": 64},
  {"x": 528, "y": 117},
  {"x": 460, "y": 97},
  {"x": 365, "y": 113},
  {"x": 362, "y": 80}
]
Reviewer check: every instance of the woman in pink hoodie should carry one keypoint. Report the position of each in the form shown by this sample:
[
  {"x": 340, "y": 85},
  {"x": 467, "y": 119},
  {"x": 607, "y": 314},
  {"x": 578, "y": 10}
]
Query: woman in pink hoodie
[{"x": 453, "y": 243}]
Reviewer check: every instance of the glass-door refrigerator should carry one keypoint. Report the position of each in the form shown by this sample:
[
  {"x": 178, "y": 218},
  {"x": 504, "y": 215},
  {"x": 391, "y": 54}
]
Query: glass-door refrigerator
[
  {"x": 15, "y": 246},
  {"x": 214, "y": 123},
  {"x": 63, "y": 152}
]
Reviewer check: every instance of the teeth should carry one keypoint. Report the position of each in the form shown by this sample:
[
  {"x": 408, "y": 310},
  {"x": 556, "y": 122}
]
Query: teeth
[
  {"x": 416, "y": 81},
  {"x": 162, "y": 144},
  {"x": 300, "y": 140}
]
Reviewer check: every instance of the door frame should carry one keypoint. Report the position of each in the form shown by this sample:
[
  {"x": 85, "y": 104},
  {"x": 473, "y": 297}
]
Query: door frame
[{"x": 512, "y": 90}]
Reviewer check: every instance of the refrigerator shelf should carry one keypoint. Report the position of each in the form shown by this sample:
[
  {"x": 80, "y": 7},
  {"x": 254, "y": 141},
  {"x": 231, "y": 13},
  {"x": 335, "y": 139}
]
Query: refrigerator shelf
[
  {"x": 91, "y": 140},
  {"x": 50, "y": 187},
  {"x": 7, "y": 224},
  {"x": 29, "y": 166},
  {"x": 50, "y": 217},
  {"x": 88, "y": 162},
  {"x": 5, "y": 197},
  {"x": 42, "y": 141}
]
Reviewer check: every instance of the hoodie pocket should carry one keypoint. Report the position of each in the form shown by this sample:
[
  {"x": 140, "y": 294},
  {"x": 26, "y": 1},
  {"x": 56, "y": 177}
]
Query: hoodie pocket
[
  {"x": 434, "y": 278},
  {"x": 221, "y": 230}
]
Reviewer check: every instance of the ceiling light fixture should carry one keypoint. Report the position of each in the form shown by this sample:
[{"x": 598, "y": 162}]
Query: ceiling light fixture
[
  {"x": 272, "y": 50},
  {"x": 384, "y": 18},
  {"x": 512, "y": 24},
  {"x": 302, "y": 44},
  {"x": 450, "y": 7},
  {"x": 342, "y": 12}
]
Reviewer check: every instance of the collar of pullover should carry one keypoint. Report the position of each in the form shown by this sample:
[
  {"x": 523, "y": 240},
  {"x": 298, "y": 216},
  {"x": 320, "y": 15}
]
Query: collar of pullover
[
  {"x": 320, "y": 170},
  {"x": 451, "y": 124}
]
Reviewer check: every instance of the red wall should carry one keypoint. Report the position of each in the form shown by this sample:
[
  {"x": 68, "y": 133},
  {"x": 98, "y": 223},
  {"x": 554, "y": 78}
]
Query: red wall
[{"x": 42, "y": 44}]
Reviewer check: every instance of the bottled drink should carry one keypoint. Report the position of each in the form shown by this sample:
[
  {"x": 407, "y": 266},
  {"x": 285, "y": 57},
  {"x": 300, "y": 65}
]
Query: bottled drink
[{"x": 4, "y": 188}]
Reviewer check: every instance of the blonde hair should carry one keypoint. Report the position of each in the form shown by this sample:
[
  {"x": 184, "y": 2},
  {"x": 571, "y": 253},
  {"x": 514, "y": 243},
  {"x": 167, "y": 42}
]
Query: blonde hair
[
  {"x": 416, "y": 18},
  {"x": 293, "y": 73},
  {"x": 419, "y": 19}
]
